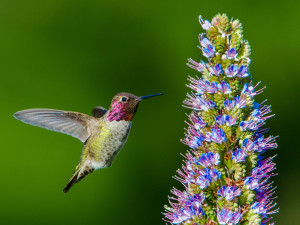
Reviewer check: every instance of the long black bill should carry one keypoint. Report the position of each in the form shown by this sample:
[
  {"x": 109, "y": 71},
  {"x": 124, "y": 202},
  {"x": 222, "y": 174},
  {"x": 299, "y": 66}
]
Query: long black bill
[{"x": 149, "y": 96}]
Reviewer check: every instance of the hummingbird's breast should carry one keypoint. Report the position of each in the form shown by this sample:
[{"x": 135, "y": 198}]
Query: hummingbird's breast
[{"x": 107, "y": 142}]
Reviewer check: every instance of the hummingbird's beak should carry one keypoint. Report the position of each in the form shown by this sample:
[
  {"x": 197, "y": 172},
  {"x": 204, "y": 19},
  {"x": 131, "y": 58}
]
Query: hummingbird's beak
[{"x": 148, "y": 96}]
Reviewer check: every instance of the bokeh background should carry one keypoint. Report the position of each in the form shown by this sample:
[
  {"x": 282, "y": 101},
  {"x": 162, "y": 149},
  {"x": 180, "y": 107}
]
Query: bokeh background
[{"x": 74, "y": 55}]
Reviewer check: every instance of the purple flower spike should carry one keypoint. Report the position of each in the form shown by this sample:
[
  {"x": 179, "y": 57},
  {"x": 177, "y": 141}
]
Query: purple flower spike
[
  {"x": 226, "y": 178},
  {"x": 231, "y": 54}
]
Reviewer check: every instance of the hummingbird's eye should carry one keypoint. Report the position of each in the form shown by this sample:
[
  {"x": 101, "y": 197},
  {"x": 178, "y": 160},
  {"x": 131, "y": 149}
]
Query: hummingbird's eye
[{"x": 123, "y": 99}]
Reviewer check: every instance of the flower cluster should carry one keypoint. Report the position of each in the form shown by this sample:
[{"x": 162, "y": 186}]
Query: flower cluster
[{"x": 225, "y": 174}]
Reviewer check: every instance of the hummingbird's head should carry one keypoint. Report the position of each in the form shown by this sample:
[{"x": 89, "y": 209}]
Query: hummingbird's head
[{"x": 124, "y": 106}]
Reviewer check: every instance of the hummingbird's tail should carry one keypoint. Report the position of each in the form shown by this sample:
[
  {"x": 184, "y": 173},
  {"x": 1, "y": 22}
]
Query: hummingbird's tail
[{"x": 77, "y": 176}]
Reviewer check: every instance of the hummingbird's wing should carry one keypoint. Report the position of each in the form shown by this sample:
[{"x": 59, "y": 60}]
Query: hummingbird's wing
[
  {"x": 71, "y": 123},
  {"x": 98, "y": 111}
]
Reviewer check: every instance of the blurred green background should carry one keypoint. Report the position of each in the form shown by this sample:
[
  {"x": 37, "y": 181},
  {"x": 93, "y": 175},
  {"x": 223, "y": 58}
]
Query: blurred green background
[{"x": 74, "y": 55}]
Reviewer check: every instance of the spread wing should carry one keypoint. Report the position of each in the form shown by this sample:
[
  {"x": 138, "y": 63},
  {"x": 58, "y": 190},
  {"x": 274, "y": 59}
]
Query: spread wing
[
  {"x": 98, "y": 111},
  {"x": 71, "y": 123}
]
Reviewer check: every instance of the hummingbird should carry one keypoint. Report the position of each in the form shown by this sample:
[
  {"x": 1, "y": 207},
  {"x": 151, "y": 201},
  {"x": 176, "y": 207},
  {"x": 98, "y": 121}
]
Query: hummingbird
[{"x": 103, "y": 134}]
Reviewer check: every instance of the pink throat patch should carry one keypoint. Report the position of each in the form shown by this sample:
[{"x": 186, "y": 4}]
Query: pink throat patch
[{"x": 118, "y": 112}]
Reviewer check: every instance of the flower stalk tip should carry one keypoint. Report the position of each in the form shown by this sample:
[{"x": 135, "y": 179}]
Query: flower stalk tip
[{"x": 225, "y": 175}]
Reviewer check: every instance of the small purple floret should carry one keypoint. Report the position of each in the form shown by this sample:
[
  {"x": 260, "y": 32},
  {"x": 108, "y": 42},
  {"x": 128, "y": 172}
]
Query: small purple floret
[
  {"x": 224, "y": 87},
  {"x": 229, "y": 192},
  {"x": 207, "y": 48},
  {"x": 216, "y": 70},
  {"x": 206, "y": 25},
  {"x": 231, "y": 71},
  {"x": 239, "y": 155},
  {"x": 208, "y": 159},
  {"x": 225, "y": 216},
  {"x": 216, "y": 135},
  {"x": 232, "y": 53},
  {"x": 242, "y": 72}
]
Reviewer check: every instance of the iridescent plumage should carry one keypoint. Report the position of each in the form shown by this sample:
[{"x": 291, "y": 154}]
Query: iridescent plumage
[{"x": 104, "y": 134}]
